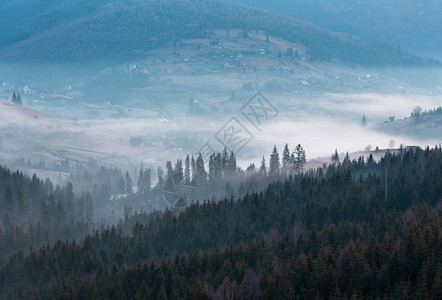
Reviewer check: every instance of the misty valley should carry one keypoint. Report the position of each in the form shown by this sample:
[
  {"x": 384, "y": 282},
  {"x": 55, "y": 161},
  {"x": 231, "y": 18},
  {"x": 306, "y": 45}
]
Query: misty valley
[{"x": 219, "y": 149}]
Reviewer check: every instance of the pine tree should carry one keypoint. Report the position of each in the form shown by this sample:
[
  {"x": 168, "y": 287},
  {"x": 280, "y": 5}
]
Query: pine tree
[
  {"x": 140, "y": 183},
  {"x": 19, "y": 102},
  {"x": 193, "y": 168},
  {"x": 129, "y": 188},
  {"x": 147, "y": 176},
  {"x": 14, "y": 98},
  {"x": 274, "y": 162},
  {"x": 231, "y": 165},
  {"x": 121, "y": 185},
  {"x": 8, "y": 196},
  {"x": 224, "y": 159},
  {"x": 289, "y": 52},
  {"x": 335, "y": 157},
  {"x": 251, "y": 169},
  {"x": 160, "y": 182},
  {"x": 187, "y": 170},
  {"x": 212, "y": 167},
  {"x": 200, "y": 170},
  {"x": 262, "y": 169},
  {"x": 299, "y": 158},
  {"x": 346, "y": 163},
  {"x": 286, "y": 164},
  {"x": 169, "y": 169},
  {"x": 218, "y": 165},
  {"x": 364, "y": 121},
  {"x": 178, "y": 171},
  {"x": 292, "y": 158}
]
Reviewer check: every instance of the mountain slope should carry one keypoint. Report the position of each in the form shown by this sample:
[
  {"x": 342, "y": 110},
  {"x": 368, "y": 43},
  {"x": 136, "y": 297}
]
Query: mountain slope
[
  {"x": 80, "y": 31},
  {"x": 412, "y": 25}
]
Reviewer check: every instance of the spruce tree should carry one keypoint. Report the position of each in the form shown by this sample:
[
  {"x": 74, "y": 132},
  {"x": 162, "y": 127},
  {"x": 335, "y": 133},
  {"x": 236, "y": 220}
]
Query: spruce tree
[
  {"x": 346, "y": 163},
  {"x": 169, "y": 169},
  {"x": 160, "y": 182},
  {"x": 147, "y": 176},
  {"x": 299, "y": 158},
  {"x": 251, "y": 169},
  {"x": 19, "y": 102},
  {"x": 218, "y": 165},
  {"x": 121, "y": 185},
  {"x": 178, "y": 171},
  {"x": 335, "y": 157},
  {"x": 140, "y": 183},
  {"x": 231, "y": 165},
  {"x": 193, "y": 168},
  {"x": 286, "y": 157},
  {"x": 129, "y": 189},
  {"x": 212, "y": 167},
  {"x": 224, "y": 159},
  {"x": 263, "y": 169},
  {"x": 187, "y": 170},
  {"x": 200, "y": 170},
  {"x": 364, "y": 121},
  {"x": 289, "y": 52},
  {"x": 274, "y": 162}
]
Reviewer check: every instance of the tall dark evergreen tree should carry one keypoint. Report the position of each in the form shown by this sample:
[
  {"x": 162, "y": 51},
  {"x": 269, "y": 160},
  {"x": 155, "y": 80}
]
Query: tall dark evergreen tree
[
  {"x": 224, "y": 159},
  {"x": 187, "y": 170},
  {"x": 147, "y": 176},
  {"x": 364, "y": 121},
  {"x": 289, "y": 52},
  {"x": 19, "y": 102},
  {"x": 178, "y": 171},
  {"x": 122, "y": 185},
  {"x": 251, "y": 169},
  {"x": 140, "y": 182},
  {"x": 274, "y": 162},
  {"x": 212, "y": 167},
  {"x": 14, "y": 98},
  {"x": 160, "y": 183},
  {"x": 200, "y": 170},
  {"x": 299, "y": 159},
  {"x": 193, "y": 168},
  {"x": 335, "y": 157},
  {"x": 218, "y": 165},
  {"x": 286, "y": 164},
  {"x": 263, "y": 168},
  {"x": 129, "y": 186},
  {"x": 346, "y": 163},
  {"x": 231, "y": 165},
  {"x": 169, "y": 169}
]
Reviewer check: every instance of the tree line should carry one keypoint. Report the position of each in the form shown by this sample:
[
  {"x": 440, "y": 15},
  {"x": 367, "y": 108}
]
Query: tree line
[{"x": 330, "y": 233}]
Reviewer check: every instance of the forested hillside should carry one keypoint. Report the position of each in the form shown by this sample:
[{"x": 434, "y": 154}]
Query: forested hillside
[
  {"x": 108, "y": 31},
  {"x": 33, "y": 212},
  {"x": 350, "y": 230},
  {"x": 412, "y": 25}
]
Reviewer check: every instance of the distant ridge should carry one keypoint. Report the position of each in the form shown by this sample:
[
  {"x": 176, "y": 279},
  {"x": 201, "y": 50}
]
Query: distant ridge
[{"x": 84, "y": 31}]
